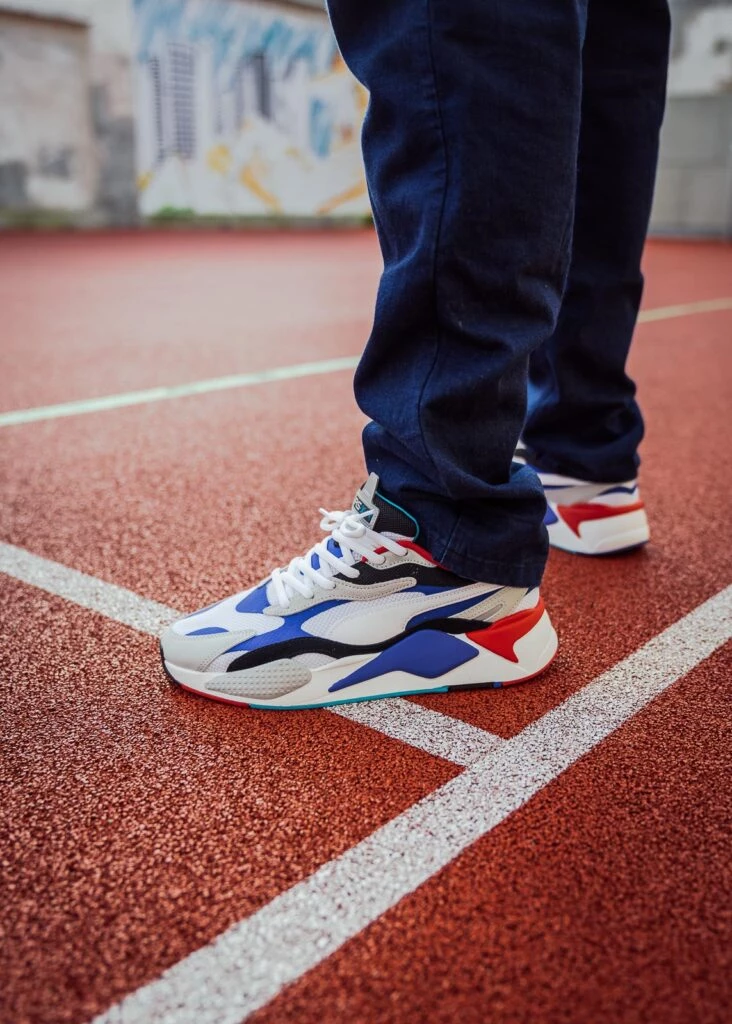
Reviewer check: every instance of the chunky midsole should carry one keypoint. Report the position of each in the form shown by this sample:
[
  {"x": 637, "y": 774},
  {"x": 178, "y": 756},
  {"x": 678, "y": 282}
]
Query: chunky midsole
[{"x": 518, "y": 660}]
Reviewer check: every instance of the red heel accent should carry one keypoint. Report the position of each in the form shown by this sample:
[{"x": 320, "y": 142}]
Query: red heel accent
[
  {"x": 502, "y": 635},
  {"x": 575, "y": 515}
]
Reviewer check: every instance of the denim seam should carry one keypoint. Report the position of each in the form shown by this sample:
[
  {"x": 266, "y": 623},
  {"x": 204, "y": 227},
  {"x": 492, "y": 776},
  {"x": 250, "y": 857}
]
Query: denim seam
[{"x": 438, "y": 231}]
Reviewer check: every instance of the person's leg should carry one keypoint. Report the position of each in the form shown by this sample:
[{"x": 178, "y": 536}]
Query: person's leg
[
  {"x": 583, "y": 419},
  {"x": 470, "y": 146}
]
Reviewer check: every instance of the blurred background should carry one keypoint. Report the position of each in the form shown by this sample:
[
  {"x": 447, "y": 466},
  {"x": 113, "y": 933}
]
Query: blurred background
[{"x": 120, "y": 112}]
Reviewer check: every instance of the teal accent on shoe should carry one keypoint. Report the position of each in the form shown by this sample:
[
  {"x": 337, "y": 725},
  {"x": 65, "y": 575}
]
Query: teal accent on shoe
[
  {"x": 351, "y": 700},
  {"x": 407, "y": 514}
]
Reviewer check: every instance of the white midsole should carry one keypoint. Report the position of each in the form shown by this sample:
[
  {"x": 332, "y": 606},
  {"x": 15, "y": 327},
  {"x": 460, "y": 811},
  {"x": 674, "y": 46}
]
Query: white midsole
[
  {"x": 534, "y": 651},
  {"x": 601, "y": 536}
]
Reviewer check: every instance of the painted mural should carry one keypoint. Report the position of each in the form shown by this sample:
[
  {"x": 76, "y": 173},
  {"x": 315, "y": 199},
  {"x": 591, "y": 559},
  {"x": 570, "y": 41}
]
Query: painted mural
[{"x": 244, "y": 109}]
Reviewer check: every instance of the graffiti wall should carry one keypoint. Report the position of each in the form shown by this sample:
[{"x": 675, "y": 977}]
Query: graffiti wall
[{"x": 244, "y": 109}]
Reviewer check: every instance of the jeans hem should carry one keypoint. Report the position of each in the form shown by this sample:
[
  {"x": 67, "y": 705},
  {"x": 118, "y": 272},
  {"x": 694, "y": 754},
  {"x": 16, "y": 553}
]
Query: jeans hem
[
  {"x": 453, "y": 556},
  {"x": 549, "y": 464}
]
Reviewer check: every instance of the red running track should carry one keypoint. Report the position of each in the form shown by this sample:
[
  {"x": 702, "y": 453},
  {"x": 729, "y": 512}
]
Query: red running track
[{"x": 138, "y": 823}]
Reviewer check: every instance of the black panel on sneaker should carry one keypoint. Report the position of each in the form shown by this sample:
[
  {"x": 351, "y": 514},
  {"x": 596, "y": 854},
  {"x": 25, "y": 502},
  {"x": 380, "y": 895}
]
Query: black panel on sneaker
[
  {"x": 335, "y": 649},
  {"x": 424, "y": 575},
  {"x": 383, "y": 515}
]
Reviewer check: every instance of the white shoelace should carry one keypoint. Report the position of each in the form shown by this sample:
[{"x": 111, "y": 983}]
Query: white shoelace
[{"x": 356, "y": 542}]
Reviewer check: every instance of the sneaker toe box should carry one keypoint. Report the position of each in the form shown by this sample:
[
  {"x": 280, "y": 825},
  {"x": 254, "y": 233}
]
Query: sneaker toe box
[{"x": 198, "y": 652}]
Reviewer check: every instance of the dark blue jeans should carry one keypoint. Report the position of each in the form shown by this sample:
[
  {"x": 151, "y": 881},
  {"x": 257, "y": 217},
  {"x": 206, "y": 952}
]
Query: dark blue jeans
[{"x": 510, "y": 150}]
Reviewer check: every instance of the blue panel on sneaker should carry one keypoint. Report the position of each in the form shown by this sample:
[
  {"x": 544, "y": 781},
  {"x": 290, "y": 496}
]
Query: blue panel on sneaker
[{"x": 427, "y": 654}]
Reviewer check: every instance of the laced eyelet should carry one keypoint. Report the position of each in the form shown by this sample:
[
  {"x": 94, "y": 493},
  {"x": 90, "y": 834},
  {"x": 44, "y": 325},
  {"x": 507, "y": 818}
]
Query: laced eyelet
[{"x": 347, "y": 529}]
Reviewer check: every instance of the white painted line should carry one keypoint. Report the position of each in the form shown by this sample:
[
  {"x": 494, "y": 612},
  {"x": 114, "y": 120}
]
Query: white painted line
[
  {"x": 242, "y": 380},
  {"x": 647, "y": 316},
  {"x": 246, "y": 966},
  {"x": 163, "y": 394},
  {"x": 88, "y": 591},
  {"x": 421, "y": 727},
  {"x": 431, "y": 731}
]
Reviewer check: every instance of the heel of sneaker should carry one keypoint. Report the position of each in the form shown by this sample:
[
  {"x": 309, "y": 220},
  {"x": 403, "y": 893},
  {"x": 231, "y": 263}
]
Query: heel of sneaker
[
  {"x": 516, "y": 648},
  {"x": 594, "y": 529}
]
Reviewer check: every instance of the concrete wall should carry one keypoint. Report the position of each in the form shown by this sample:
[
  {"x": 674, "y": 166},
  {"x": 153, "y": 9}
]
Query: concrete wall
[
  {"x": 46, "y": 149},
  {"x": 112, "y": 100},
  {"x": 42, "y": 30},
  {"x": 694, "y": 184}
]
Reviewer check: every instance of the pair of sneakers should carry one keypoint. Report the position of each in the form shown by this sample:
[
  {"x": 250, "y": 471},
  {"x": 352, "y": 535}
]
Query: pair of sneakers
[{"x": 367, "y": 613}]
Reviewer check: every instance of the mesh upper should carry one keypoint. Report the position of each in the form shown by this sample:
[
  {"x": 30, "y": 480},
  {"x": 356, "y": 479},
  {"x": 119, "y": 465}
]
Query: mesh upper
[{"x": 392, "y": 519}]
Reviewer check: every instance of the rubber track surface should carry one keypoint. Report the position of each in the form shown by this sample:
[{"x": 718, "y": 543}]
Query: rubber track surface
[{"x": 137, "y": 822}]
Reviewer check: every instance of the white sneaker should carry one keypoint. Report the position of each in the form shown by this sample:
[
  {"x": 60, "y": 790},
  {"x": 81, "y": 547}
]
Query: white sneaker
[
  {"x": 589, "y": 518},
  {"x": 365, "y": 614},
  {"x": 594, "y": 519}
]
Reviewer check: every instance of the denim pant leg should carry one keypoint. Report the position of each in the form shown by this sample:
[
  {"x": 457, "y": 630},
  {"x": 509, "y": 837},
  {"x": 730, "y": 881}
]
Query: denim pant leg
[
  {"x": 470, "y": 146},
  {"x": 583, "y": 418}
]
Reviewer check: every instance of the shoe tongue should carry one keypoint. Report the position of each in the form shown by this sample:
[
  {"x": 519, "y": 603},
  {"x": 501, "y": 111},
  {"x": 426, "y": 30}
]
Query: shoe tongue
[{"x": 382, "y": 515}]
